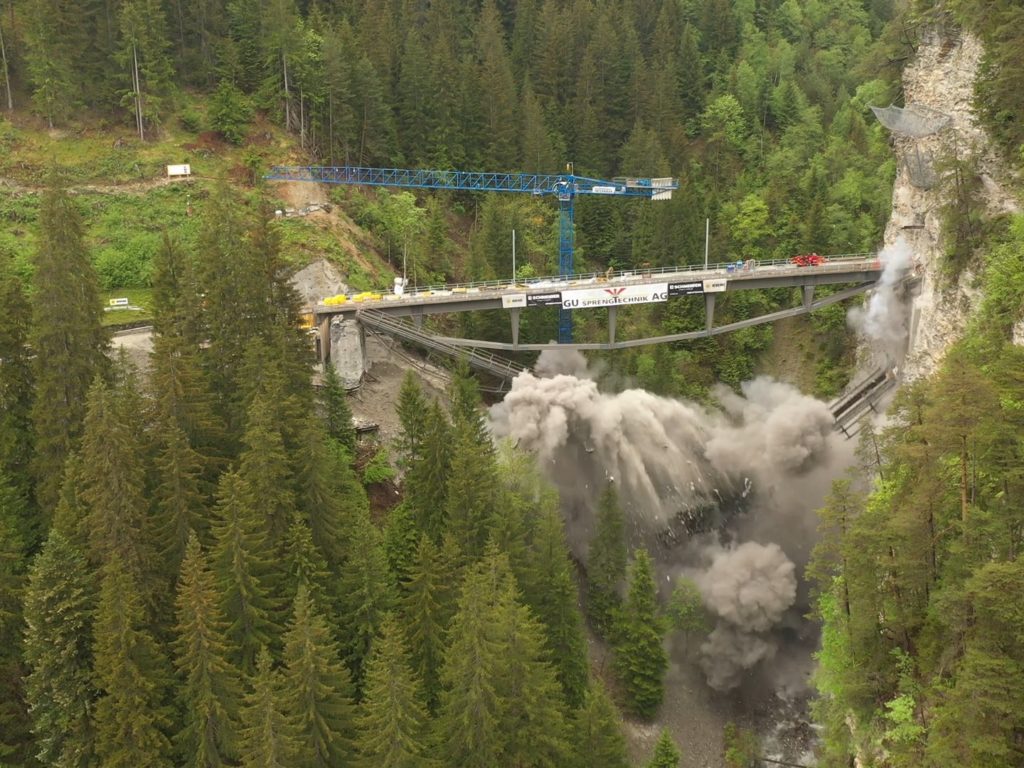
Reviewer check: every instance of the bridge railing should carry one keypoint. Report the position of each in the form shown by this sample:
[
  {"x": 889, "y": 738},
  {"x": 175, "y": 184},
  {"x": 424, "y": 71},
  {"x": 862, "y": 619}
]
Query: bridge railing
[{"x": 424, "y": 293}]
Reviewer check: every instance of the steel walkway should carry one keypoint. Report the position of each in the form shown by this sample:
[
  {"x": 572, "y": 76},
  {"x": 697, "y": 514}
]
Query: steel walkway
[{"x": 496, "y": 366}]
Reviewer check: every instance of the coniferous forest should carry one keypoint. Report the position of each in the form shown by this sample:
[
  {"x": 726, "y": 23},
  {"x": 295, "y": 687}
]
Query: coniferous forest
[{"x": 192, "y": 572}]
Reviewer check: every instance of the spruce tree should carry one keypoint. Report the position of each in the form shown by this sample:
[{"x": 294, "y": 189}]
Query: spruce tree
[
  {"x": 269, "y": 737},
  {"x": 640, "y": 658},
  {"x": 306, "y": 564},
  {"x": 597, "y": 738},
  {"x": 131, "y": 713},
  {"x": 336, "y": 411},
  {"x": 472, "y": 489},
  {"x": 533, "y": 707},
  {"x": 68, "y": 345},
  {"x": 393, "y": 723},
  {"x": 469, "y": 719},
  {"x": 412, "y": 411},
  {"x": 553, "y": 597},
  {"x": 263, "y": 467},
  {"x": 241, "y": 562},
  {"x": 16, "y": 391},
  {"x": 178, "y": 502},
  {"x": 59, "y": 605},
  {"x": 113, "y": 481},
  {"x": 606, "y": 562},
  {"x": 209, "y": 694},
  {"x": 318, "y": 688},
  {"x": 15, "y": 725},
  {"x": 176, "y": 378},
  {"x": 427, "y": 606},
  {"x": 366, "y": 591},
  {"x": 666, "y": 754},
  {"x": 427, "y": 480}
]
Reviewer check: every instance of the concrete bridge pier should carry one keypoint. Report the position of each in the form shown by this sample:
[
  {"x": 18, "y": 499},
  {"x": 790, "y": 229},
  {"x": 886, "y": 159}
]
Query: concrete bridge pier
[
  {"x": 514, "y": 317},
  {"x": 346, "y": 350},
  {"x": 709, "y": 311}
]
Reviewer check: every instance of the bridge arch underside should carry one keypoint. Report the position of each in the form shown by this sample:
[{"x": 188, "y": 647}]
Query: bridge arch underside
[{"x": 387, "y": 318}]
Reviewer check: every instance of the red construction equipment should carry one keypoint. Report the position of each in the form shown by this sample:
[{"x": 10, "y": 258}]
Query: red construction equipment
[{"x": 808, "y": 260}]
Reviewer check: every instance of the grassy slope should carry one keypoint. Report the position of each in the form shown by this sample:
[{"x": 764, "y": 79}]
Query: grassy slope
[{"x": 127, "y": 203}]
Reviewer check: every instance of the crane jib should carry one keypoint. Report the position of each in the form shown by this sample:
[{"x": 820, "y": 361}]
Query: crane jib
[{"x": 530, "y": 183}]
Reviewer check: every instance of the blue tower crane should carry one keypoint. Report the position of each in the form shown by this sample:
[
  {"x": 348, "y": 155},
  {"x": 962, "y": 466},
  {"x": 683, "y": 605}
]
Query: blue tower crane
[{"x": 565, "y": 187}]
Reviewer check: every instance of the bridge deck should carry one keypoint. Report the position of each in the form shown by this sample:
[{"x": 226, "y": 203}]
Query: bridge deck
[{"x": 858, "y": 268}]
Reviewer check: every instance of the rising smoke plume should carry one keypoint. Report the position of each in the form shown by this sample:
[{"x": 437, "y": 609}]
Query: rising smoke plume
[
  {"x": 883, "y": 319},
  {"x": 748, "y": 588},
  {"x": 752, "y": 467}
]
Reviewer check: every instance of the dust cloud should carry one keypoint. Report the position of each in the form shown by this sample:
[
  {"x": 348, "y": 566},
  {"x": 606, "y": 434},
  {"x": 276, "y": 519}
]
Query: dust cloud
[
  {"x": 883, "y": 319},
  {"x": 724, "y": 495}
]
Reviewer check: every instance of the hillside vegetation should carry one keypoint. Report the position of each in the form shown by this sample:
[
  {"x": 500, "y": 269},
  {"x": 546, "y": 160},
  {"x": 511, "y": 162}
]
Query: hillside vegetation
[{"x": 759, "y": 108}]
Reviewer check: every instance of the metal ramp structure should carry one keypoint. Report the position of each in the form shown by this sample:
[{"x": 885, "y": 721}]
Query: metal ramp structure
[
  {"x": 500, "y": 368},
  {"x": 850, "y": 408}
]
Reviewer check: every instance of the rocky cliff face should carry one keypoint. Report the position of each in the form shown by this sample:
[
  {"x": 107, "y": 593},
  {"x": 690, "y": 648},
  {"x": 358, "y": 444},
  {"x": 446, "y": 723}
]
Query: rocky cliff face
[{"x": 941, "y": 78}]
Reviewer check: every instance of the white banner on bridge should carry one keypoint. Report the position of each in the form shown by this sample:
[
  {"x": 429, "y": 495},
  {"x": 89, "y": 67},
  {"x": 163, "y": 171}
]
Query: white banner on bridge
[
  {"x": 715, "y": 286},
  {"x": 509, "y": 301},
  {"x": 611, "y": 297}
]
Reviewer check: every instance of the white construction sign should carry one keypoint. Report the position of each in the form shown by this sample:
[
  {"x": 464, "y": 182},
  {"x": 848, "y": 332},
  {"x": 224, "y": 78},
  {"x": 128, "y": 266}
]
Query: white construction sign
[
  {"x": 613, "y": 297},
  {"x": 179, "y": 170},
  {"x": 509, "y": 301},
  {"x": 715, "y": 286}
]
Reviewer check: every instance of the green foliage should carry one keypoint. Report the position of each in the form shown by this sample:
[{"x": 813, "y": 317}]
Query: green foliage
[
  {"x": 640, "y": 658},
  {"x": 666, "y": 753},
  {"x": 269, "y": 729},
  {"x": 230, "y": 112},
  {"x": 393, "y": 725},
  {"x": 686, "y": 608},
  {"x": 131, "y": 675},
  {"x": 317, "y": 688},
  {"x": 378, "y": 469},
  {"x": 597, "y": 737},
  {"x": 336, "y": 411},
  {"x": 68, "y": 345},
  {"x": 210, "y": 695},
  {"x": 606, "y": 562},
  {"x": 60, "y": 603},
  {"x": 740, "y": 746}
]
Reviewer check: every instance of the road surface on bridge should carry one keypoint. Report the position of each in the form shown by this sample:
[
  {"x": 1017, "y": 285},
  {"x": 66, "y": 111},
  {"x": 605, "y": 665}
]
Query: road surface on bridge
[{"x": 621, "y": 288}]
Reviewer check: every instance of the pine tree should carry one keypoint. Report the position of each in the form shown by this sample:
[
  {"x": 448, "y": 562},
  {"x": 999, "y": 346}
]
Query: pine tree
[
  {"x": 533, "y": 707},
  {"x": 412, "y": 413},
  {"x": 241, "y": 562},
  {"x": 469, "y": 720},
  {"x": 472, "y": 490},
  {"x": 264, "y": 470},
  {"x": 367, "y": 593},
  {"x": 306, "y": 565},
  {"x": 427, "y": 605},
  {"x": 666, "y": 754},
  {"x": 597, "y": 738},
  {"x": 49, "y": 58},
  {"x": 640, "y": 658},
  {"x": 393, "y": 723},
  {"x": 15, "y": 726},
  {"x": 606, "y": 563},
  {"x": 210, "y": 694},
  {"x": 113, "y": 481},
  {"x": 59, "y": 604},
  {"x": 130, "y": 714},
  {"x": 68, "y": 345},
  {"x": 318, "y": 688},
  {"x": 427, "y": 479},
  {"x": 553, "y": 597},
  {"x": 179, "y": 505},
  {"x": 144, "y": 54},
  {"x": 337, "y": 414},
  {"x": 16, "y": 392},
  {"x": 269, "y": 731}
]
